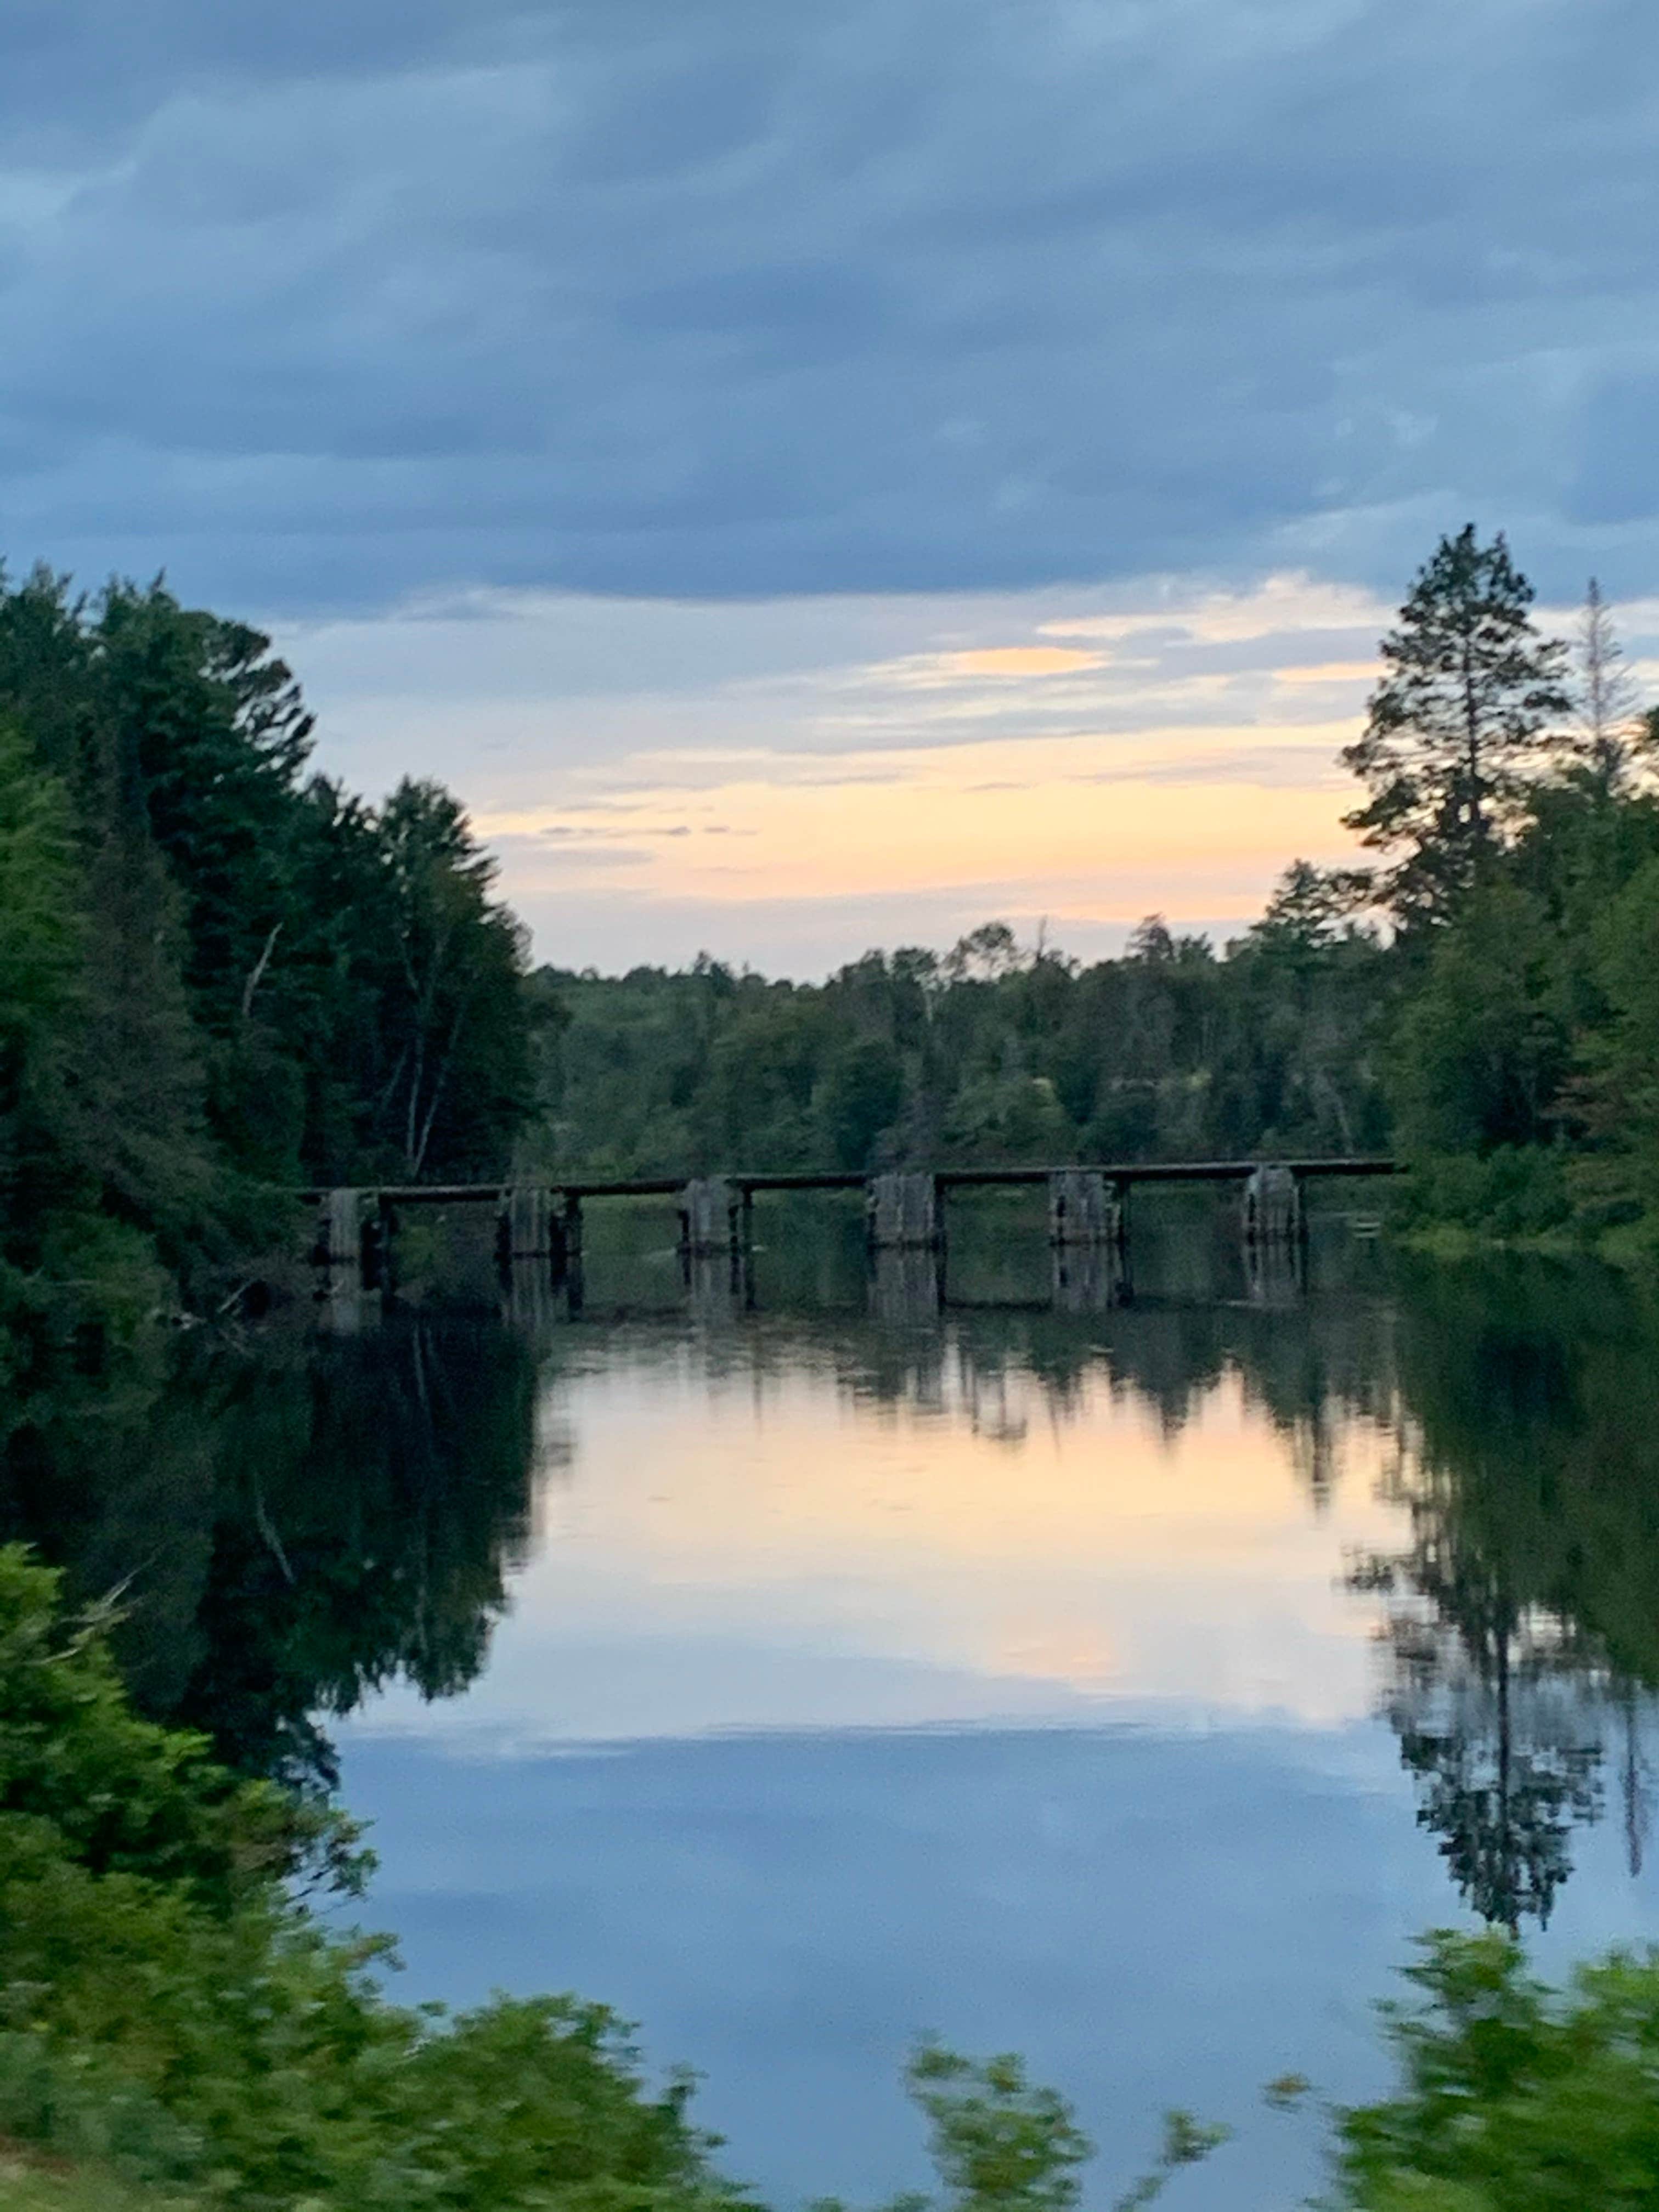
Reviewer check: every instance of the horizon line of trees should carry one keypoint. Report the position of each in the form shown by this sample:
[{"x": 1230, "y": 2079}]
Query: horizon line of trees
[
  {"x": 1478, "y": 992},
  {"x": 223, "y": 976}
]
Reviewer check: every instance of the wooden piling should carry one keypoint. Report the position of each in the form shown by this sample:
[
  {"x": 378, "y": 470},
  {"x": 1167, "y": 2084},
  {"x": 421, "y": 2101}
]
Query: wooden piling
[
  {"x": 902, "y": 1213},
  {"x": 708, "y": 1216},
  {"x": 906, "y": 1286},
  {"x": 568, "y": 1251},
  {"x": 340, "y": 1228},
  {"x": 1090, "y": 1278},
  {"x": 1084, "y": 1208},
  {"x": 528, "y": 1215},
  {"x": 1273, "y": 1205}
]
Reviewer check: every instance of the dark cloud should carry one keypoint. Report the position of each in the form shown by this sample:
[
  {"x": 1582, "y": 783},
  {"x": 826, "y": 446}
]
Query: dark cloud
[{"x": 325, "y": 304}]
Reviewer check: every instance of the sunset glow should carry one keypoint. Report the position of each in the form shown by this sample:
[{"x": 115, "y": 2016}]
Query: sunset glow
[{"x": 1003, "y": 1561}]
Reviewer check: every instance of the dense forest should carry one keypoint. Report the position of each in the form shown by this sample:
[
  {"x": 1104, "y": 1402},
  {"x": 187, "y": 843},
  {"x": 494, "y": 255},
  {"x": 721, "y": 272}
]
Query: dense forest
[
  {"x": 1483, "y": 996},
  {"x": 223, "y": 978}
]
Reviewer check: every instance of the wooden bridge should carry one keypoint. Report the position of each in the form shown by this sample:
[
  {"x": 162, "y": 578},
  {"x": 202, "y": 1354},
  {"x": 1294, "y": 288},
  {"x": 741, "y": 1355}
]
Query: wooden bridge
[{"x": 904, "y": 1211}]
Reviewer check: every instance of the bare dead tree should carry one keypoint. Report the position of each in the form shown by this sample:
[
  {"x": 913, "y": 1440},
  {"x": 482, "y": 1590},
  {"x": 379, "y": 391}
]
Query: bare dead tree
[{"x": 1607, "y": 703}]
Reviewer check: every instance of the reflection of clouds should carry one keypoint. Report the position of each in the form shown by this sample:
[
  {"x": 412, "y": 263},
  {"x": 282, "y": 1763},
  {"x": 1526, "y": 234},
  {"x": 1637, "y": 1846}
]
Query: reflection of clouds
[{"x": 780, "y": 1538}]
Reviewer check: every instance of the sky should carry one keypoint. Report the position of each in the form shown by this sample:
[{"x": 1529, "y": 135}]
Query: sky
[{"x": 818, "y": 475}]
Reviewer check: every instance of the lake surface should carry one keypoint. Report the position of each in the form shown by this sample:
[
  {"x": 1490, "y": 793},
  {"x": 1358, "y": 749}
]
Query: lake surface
[{"x": 1120, "y": 1673}]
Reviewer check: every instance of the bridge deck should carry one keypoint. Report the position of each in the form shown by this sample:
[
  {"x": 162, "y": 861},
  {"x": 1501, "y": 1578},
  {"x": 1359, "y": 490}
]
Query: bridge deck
[{"x": 1131, "y": 1171}]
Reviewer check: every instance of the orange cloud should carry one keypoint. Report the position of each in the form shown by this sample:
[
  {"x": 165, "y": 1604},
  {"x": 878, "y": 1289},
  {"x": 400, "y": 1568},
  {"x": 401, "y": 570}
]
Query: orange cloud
[
  {"x": 1020, "y": 660},
  {"x": 1327, "y": 671},
  {"x": 1094, "y": 824}
]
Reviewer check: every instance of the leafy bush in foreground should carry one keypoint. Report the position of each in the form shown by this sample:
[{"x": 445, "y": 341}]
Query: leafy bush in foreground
[
  {"x": 169, "y": 2007},
  {"x": 1514, "y": 2097},
  {"x": 179, "y": 2028}
]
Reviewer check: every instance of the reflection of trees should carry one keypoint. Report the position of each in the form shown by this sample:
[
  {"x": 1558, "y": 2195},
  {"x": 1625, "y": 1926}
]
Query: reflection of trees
[
  {"x": 1522, "y": 1620},
  {"x": 1522, "y": 1617},
  {"x": 1488, "y": 1699},
  {"x": 293, "y": 1530}
]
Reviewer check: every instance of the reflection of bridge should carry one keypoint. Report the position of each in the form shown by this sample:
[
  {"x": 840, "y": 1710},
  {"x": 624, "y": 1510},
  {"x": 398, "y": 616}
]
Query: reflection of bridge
[{"x": 541, "y": 1222}]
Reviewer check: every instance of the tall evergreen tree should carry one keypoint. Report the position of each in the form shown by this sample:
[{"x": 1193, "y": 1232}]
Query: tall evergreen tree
[{"x": 1459, "y": 726}]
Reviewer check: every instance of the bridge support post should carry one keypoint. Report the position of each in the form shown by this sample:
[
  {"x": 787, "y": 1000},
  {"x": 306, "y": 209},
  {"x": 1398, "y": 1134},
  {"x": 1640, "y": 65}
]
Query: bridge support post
[
  {"x": 1272, "y": 1212},
  {"x": 708, "y": 1216},
  {"x": 1084, "y": 1208},
  {"x": 1090, "y": 1278},
  {"x": 902, "y": 1213},
  {"x": 566, "y": 1251},
  {"x": 377, "y": 1241},
  {"x": 340, "y": 1225},
  {"x": 349, "y": 1247},
  {"x": 907, "y": 1286},
  {"x": 1276, "y": 1272},
  {"x": 526, "y": 1223}
]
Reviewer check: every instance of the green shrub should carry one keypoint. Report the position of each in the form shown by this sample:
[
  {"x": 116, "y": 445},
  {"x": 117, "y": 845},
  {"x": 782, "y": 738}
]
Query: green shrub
[
  {"x": 170, "y": 2006},
  {"x": 1514, "y": 2097},
  {"x": 179, "y": 2031},
  {"x": 1515, "y": 1192}
]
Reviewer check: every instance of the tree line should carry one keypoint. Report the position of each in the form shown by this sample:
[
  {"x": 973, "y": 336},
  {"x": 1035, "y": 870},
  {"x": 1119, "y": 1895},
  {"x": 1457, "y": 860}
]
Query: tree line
[
  {"x": 222, "y": 975},
  {"x": 1480, "y": 994}
]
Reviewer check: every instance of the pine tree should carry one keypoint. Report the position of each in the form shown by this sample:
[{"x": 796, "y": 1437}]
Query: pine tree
[{"x": 1459, "y": 726}]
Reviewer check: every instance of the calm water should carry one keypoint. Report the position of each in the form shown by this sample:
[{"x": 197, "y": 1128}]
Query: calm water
[{"x": 1117, "y": 1672}]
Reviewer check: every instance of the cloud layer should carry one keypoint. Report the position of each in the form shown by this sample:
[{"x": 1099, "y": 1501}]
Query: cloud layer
[
  {"x": 323, "y": 306},
  {"x": 788, "y": 782}
]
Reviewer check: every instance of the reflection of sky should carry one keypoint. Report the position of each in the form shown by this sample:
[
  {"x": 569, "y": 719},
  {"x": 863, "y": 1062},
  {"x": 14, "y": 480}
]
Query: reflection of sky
[
  {"x": 769, "y": 1550},
  {"x": 820, "y": 1721}
]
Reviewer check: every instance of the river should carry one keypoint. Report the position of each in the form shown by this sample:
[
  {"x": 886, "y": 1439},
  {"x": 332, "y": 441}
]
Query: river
[{"x": 1117, "y": 1672}]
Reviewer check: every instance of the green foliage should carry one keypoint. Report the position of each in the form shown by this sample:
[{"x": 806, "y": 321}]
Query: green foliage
[
  {"x": 999, "y": 2143},
  {"x": 1187, "y": 2142},
  {"x": 993, "y": 1054},
  {"x": 40, "y": 922},
  {"x": 1513, "y": 1194},
  {"x": 1617, "y": 1099},
  {"x": 1002, "y": 2143},
  {"x": 220, "y": 978},
  {"x": 1459, "y": 726},
  {"x": 1514, "y": 2097},
  {"x": 862, "y": 1092},
  {"x": 118, "y": 1793},
  {"x": 166, "y": 2004},
  {"x": 1478, "y": 1057}
]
